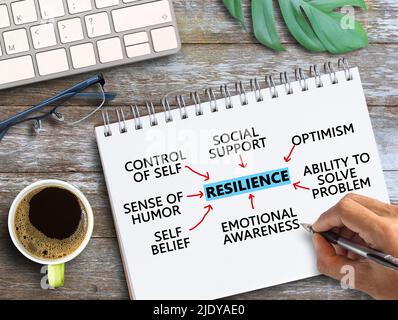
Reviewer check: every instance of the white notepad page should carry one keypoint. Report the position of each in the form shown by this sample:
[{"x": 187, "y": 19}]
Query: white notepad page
[{"x": 243, "y": 243}]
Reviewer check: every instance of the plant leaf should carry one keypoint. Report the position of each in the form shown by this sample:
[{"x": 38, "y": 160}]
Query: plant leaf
[
  {"x": 299, "y": 27},
  {"x": 315, "y": 25},
  {"x": 330, "y": 5},
  {"x": 331, "y": 33},
  {"x": 264, "y": 24},
  {"x": 235, "y": 9}
]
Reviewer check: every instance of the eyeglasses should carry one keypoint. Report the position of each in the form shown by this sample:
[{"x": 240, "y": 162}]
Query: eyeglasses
[{"x": 69, "y": 106}]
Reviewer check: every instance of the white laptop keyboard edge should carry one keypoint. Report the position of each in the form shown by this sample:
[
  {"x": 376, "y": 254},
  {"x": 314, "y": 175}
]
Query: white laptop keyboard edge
[{"x": 48, "y": 39}]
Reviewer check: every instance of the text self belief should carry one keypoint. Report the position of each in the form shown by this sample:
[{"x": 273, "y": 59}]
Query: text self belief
[{"x": 169, "y": 240}]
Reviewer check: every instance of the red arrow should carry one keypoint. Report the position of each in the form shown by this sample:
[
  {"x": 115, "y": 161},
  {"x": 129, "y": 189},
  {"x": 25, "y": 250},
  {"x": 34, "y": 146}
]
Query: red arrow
[
  {"x": 296, "y": 185},
  {"x": 209, "y": 208},
  {"x": 287, "y": 159},
  {"x": 206, "y": 176},
  {"x": 251, "y": 197},
  {"x": 242, "y": 164},
  {"x": 200, "y": 195}
]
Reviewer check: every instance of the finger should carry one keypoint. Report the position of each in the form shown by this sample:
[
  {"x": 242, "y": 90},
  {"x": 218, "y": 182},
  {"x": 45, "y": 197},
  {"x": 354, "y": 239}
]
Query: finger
[
  {"x": 353, "y": 256},
  {"x": 355, "y": 217},
  {"x": 380, "y": 208},
  {"x": 356, "y": 239},
  {"x": 328, "y": 262},
  {"x": 346, "y": 233},
  {"x": 349, "y": 235},
  {"x": 336, "y": 230},
  {"x": 355, "y": 273},
  {"x": 340, "y": 251}
]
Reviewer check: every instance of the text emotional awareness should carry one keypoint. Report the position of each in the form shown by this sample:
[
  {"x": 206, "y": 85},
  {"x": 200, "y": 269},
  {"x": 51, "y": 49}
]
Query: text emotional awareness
[{"x": 259, "y": 226}]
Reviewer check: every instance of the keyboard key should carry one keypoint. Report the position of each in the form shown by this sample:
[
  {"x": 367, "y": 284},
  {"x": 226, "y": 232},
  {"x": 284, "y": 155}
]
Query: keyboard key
[
  {"x": 63, "y": 37},
  {"x": 24, "y": 11},
  {"x": 140, "y": 16},
  {"x": 70, "y": 30},
  {"x": 83, "y": 55},
  {"x": 51, "y": 8},
  {"x": 53, "y": 61},
  {"x": 4, "y": 18},
  {"x": 138, "y": 50},
  {"x": 164, "y": 39},
  {"x": 77, "y": 6},
  {"x": 97, "y": 24},
  {"x": 135, "y": 38},
  {"x": 106, "y": 3},
  {"x": 43, "y": 36},
  {"x": 16, "y": 41},
  {"x": 16, "y": 69},
  {"x": 110, "y": 50}
]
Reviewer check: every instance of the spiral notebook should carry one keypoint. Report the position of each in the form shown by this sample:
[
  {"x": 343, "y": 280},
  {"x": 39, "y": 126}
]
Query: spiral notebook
[{"x": 208, "y": 196}]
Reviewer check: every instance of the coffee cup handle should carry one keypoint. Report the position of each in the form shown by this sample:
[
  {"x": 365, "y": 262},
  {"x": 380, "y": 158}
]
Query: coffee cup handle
[{"x": 56, "y": 275}]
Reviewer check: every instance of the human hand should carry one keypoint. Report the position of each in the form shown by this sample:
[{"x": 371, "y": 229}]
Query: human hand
[{"x": 368, "y": 222}]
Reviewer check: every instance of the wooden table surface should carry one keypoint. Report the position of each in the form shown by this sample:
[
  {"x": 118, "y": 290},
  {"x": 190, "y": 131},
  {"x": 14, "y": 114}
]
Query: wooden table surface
[{"x": 215, "y": 50}]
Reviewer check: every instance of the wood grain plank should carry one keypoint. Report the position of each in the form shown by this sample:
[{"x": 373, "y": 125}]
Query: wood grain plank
[
  {"x": 212, "y": 54},
  {"x": 98, "y": 274},
  {"x": 93, "y": 186},
  {"x": 207, "y": 21},
  {"x": 199, "y": 66},
  {"x": 65, "y": 149},
  {"x": 314, "y": 288}
]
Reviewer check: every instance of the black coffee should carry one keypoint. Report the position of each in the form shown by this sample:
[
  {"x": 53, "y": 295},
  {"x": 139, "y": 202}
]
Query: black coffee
[
  {"x": 55, "y": 212},
  {"x": 51, "y": 222}
]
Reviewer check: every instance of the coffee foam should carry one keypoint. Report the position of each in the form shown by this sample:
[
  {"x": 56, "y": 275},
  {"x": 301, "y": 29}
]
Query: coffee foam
[{"x": 37, "y": 243}]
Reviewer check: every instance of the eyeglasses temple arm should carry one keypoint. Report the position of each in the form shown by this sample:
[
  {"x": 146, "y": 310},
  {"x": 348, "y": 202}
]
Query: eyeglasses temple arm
[
  {"x": 75, "y": 90},
  {"x": 109, "y": 96},
  {"x": 5, "y": 123},
  {"x": 62, "y": 95},
  {"x": 84, "y": 84},
  {"x": 3, "y": 133}
]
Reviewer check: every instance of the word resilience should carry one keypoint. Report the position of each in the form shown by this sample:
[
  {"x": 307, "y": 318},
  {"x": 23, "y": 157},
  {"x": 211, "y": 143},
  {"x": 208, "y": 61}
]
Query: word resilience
[{"x": 255, "y": 182}]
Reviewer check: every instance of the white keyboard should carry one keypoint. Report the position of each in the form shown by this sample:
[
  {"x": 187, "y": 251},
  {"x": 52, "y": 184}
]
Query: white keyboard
[{"x": 47, "y": 39}]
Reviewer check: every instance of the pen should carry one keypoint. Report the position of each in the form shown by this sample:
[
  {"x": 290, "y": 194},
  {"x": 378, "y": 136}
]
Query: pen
[{"x": 377, "y": 256}]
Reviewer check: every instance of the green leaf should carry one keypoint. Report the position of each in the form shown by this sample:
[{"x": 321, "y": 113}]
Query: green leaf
[
  {"x": 299, "y": 27},
  {"x": 235, "y": 9},
  {"x": 264, "y": 24},
  {"x": 330, "y": 5},
  {"x": 329, "y": 30},
  {"x": 315, "y": 25}
]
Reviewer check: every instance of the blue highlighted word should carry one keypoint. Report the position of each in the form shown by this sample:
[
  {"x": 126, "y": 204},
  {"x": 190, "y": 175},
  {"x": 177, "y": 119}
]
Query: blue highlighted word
[{"x": 252, "y": 183}]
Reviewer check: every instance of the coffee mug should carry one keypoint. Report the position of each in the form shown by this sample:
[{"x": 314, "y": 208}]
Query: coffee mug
[{"x": 56, "y": 266}]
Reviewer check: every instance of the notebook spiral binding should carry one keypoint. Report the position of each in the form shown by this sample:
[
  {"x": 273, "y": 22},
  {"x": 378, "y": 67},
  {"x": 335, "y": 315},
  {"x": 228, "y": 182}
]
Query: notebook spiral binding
[{"x": 226, "y": 95}]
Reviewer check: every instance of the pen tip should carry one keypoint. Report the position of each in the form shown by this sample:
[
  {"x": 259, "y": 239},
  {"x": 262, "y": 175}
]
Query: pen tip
[{"x": 307, "y": 227}]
